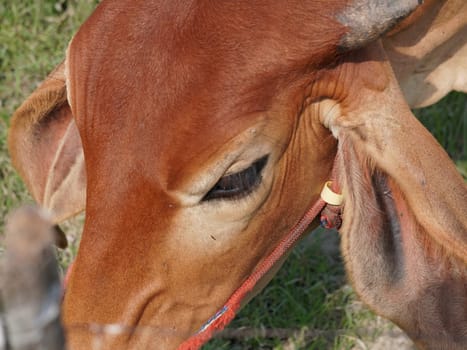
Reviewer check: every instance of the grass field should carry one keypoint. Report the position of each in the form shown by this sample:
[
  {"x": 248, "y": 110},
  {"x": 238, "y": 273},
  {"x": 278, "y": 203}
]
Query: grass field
[{"x": 308, "y": 305}]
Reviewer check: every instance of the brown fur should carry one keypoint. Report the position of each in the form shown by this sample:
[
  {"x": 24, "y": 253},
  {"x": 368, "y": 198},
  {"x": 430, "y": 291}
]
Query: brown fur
[
  {"x": 428, "y": 51},
  {"x": 168, "y": 96}
]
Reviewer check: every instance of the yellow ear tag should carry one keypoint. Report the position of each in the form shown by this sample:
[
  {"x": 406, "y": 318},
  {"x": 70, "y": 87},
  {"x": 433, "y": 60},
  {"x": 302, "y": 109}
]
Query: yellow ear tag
[{"x": 329, "y": 196}]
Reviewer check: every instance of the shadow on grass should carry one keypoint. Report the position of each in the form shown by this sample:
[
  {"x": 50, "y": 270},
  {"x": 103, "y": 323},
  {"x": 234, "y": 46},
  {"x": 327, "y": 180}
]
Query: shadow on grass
[{"x": 307, "y": 305}]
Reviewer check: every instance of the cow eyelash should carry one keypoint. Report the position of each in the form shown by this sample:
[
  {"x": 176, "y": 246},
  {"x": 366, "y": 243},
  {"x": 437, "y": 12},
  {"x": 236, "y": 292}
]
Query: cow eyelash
[{"x": 234, "y": 186}]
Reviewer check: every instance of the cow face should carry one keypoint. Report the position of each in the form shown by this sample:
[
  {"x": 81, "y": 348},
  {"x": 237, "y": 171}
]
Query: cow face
[
  {"x": 198, "y": 157},
  {"x": 208, "y": 130}
]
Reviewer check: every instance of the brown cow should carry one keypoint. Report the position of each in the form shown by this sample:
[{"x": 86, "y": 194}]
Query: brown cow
[{"x": 205, "y": 130}]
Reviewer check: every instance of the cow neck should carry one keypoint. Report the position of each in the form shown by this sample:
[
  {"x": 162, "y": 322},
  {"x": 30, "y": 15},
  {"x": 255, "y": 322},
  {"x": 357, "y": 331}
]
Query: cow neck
[{"x": 328, "y": 206}]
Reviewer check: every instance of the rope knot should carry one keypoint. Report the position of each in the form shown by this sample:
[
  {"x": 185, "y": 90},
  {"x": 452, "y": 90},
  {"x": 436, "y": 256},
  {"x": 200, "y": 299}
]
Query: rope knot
[{"x": 331, "y": 215}]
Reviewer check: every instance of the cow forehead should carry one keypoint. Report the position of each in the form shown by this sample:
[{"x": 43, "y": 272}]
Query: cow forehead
[
  {"x": 165, "y": 139},
  {"x": 198, "y": 48},
  {"x": 146, "y": 82}
]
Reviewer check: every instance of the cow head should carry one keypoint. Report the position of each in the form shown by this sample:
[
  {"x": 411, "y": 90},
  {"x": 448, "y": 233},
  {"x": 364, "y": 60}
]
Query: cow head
[{"x": 208, "y": 129}]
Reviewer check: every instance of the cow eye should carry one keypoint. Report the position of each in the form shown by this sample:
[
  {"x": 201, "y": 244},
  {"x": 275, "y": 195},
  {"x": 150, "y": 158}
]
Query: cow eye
[{"x": 238, "y": 184}]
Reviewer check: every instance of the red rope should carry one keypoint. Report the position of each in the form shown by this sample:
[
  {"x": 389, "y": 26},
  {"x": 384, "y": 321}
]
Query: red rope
[{"x": 227, "y": 313}]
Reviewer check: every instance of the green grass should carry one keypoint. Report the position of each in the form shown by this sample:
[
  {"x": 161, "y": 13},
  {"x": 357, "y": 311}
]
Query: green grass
[
  {"x": 33, "y": 38},
  {"x": 447, "y": 121},
  {"x": 310, "y": 292}
]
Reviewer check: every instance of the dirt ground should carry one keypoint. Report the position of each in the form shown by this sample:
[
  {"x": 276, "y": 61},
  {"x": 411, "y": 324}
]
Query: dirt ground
[{"x": 393, "y": 340}]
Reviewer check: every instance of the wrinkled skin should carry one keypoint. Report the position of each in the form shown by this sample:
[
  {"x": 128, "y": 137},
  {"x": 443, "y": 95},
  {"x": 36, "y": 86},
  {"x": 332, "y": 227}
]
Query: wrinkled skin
[{"x": 164, "y": 114}]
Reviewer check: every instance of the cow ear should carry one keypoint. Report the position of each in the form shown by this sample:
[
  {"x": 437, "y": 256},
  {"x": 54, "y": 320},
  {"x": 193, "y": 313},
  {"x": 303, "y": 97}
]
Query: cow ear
[
  {"x": 46, "y": 149},
  {"x": 404, "y": 231},
  {"x": 380, "y": 135}
]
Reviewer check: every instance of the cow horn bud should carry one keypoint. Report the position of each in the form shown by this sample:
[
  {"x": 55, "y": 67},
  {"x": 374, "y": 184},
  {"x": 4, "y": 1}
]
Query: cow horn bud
[{"x": 367, "y": 20}]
